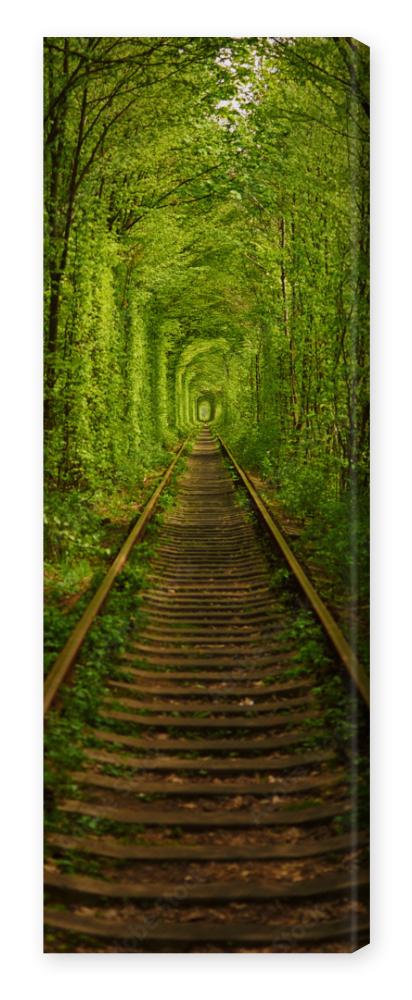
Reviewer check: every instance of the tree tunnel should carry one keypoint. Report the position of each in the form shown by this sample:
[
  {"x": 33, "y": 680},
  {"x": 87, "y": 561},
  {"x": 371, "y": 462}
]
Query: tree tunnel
[
  {"x": 206, "y": 238},
  {"x": 202, "y": 381},
  {"x": 194, "y": 258},
  {"x": 205, "y": 407}
]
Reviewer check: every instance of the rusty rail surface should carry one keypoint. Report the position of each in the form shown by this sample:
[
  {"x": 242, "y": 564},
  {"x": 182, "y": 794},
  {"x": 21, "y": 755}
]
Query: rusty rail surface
[
  {"x": 344, "y": 651},
  {"x": 67, "y": 657}
]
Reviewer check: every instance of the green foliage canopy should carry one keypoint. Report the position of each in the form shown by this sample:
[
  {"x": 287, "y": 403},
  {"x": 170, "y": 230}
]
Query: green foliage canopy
[{"x": 206, "y": 231}]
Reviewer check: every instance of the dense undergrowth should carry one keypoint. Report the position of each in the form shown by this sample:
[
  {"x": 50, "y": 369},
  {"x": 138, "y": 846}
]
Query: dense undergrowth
[
  {"x": 332, "y": 540},
  {"x": 84, "y": 530},
  {"x": 328, "y": 532},
  {"x": 106, "y": 640}
]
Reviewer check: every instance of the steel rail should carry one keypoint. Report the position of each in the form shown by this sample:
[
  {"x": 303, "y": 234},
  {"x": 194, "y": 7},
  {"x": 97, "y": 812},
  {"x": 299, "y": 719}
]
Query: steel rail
[
  {"x": 344, "y": 651},
  {"x": 67, "y": 657},
  {"x": 217, "y": 737}
]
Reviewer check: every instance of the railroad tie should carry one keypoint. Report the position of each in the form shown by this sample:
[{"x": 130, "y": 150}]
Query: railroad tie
[{"x": 212, "y": 809}]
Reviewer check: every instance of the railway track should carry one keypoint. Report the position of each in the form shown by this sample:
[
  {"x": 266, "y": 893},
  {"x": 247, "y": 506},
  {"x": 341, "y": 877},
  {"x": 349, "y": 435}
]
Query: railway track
[{"x": 215, "y": 808}]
